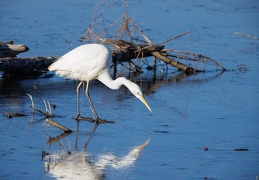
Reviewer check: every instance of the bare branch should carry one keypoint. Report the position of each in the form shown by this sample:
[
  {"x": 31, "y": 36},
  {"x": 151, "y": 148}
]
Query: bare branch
[
  {"x": 247, "y": 35},
  {"x": 65, "y": 129}
]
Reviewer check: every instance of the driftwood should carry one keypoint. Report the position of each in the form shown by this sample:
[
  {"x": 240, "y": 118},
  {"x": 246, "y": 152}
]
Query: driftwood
[
  {"x": 124, "y": 51},
  {"x": 32, "y": 65},
  {"x": 8, "y": 49},
  {"x": 53, "y": 123},
  {"x": 10, "y": 64},
  {"x": 10, "y": 115}
]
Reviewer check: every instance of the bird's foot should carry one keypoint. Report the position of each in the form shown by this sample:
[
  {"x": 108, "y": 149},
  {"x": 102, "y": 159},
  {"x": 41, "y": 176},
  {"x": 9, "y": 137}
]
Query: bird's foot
[
  {"x": 96, "y": 120},
  {"x": 79, "y": 117},
  {"x": 76, "y": 117},
  {"x": 101, "y": 121}
]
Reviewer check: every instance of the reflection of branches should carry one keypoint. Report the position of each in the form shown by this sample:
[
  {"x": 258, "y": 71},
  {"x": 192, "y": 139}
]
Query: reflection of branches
[
  {"x": 153, "y": 84},
  {"x": 77, "y": 131},
  {"x": 57, "y": 138},
  {"x": 66, "y": 132}
]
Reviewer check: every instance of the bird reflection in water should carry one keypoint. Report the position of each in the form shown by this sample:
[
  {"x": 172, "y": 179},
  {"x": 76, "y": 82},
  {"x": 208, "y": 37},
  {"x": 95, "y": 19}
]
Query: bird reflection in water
[{"x": 78, "y": 166}]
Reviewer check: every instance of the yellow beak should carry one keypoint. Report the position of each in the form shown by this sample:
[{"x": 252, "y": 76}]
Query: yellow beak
[{"x": 144, "y": 102}]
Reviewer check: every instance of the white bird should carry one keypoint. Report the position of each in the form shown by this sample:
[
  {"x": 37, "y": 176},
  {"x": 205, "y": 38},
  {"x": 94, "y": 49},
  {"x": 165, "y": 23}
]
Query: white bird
[{"x": 88, "y": 62}]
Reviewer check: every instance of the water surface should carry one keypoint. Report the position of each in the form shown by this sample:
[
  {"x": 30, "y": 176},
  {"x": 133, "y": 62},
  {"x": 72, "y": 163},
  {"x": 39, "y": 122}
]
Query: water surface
[{"x": 213, "y": 109}]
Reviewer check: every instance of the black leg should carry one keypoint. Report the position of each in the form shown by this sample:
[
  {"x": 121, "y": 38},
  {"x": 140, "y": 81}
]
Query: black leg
[
  {"x": 90, "y": 101},
  {"x": 78, "y": 100},
  {"x": 79, "y": 117}
]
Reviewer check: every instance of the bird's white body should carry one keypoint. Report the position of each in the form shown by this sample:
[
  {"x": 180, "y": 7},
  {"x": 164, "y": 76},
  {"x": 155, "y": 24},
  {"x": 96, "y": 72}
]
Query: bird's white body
[
  {"x": 88, "y": 62},
  {"x": 84, "y": 63}
]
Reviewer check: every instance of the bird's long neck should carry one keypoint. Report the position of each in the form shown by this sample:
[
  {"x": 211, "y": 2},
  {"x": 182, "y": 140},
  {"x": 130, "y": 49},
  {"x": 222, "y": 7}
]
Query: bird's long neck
[{"x": 106, "y": 79}]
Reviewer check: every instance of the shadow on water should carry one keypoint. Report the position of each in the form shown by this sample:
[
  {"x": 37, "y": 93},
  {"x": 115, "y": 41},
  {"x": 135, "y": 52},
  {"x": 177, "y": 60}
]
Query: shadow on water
[{"x": 11, "y": 92}]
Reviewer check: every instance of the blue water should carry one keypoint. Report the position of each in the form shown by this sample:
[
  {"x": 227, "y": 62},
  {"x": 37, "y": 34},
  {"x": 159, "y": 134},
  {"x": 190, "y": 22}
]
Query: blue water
[{"x": 212, "y": 109}]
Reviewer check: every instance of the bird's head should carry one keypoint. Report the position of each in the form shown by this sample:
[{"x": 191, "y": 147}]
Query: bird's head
[{"x": 136, "y": 91}]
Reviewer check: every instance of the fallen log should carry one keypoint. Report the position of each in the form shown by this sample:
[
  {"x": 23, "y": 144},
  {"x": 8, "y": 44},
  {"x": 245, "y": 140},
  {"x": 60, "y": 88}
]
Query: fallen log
[
  {"x": 127, "y": 51},
  {"x": 124, "y": 51},
  {"x": 8, "y": 49},
  {"x": 31, "y": 65}
]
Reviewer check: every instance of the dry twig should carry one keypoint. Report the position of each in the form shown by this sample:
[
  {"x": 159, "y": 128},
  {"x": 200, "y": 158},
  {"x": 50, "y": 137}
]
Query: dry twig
[
  {"x": 247, "y": 35},
  {"x": 48, "y": 110}
]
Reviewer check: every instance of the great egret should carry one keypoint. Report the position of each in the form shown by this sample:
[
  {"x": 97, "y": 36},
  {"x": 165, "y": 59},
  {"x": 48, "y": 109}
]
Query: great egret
[{"x": 92, "y": 61}]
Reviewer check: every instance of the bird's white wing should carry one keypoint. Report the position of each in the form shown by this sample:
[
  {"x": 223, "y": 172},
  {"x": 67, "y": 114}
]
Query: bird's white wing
[{"x": 85, "y": 62}]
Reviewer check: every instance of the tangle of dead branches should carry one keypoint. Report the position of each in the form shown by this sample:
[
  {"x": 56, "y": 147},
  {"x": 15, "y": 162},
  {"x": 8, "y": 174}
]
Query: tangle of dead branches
[{"x": 129, "y": 42}]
